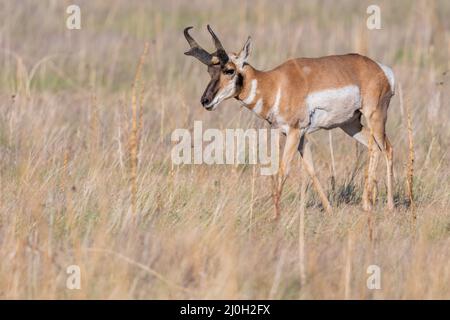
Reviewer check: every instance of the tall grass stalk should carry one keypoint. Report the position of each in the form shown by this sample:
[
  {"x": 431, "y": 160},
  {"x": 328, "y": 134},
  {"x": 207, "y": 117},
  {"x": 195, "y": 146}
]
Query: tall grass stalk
[{"x": 134, "y": 134}]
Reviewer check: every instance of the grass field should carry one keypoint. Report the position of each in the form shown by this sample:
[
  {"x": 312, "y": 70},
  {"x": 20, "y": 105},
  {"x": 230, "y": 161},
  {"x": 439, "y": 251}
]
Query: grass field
[{"x": 73, "y": 191}]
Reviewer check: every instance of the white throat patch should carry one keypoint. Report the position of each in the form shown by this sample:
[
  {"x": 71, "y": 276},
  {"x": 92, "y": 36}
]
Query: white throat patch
[
  {"x": 252, "y": 94},
  {"x": 274, "y": 112},
  {"x": 258, "y": 106},
  {"x": 276, "y": 104}
]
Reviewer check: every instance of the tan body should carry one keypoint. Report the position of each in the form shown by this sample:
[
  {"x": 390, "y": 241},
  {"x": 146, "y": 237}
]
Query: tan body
[
  {"x": 297, "y": 78},
  {"x": 289, "y": 95}
]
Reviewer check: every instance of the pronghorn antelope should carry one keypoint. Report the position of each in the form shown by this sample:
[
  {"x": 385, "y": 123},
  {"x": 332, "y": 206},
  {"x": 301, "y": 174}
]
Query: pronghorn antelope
[{"x": 303, "y": 95}]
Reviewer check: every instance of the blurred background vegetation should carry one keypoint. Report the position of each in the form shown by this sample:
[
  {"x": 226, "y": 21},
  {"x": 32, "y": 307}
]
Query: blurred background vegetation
[{"x": 204, "y": 231}]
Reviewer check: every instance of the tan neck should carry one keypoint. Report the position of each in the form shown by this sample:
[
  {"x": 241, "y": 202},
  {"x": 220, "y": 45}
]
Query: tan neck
[
  {"x": 249, "y": 73},
  {"x": 254, "y": 94},
  {"x": 249, "y": 92}
]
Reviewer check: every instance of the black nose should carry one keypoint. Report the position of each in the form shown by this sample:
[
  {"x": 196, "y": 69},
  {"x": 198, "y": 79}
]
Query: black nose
[{"x": 205, "y": 101}]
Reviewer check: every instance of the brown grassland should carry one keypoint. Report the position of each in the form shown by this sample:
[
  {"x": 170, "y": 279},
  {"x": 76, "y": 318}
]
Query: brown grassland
[{"x": 86, "y": 176}]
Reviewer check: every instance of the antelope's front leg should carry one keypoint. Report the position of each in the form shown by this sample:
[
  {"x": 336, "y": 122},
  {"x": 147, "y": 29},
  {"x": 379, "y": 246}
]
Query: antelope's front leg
[
  {"x": 308, "y": 164},
  {"x": 290, "y": 148}
]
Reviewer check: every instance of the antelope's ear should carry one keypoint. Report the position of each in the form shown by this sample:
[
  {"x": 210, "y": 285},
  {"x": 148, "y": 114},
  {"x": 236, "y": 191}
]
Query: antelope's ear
[{"x": 242, "y": 56}]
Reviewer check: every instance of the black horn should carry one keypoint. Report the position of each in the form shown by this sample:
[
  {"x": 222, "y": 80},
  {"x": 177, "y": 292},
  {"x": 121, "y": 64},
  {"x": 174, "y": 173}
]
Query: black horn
[
  {"x": 217, "y": 42},
  {"x": 220, "y": 53},
  {"x": 196, "y": 51}
]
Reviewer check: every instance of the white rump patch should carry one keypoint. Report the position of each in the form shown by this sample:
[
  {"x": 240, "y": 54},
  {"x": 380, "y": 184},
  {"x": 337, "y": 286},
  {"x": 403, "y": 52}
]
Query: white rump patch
[
  {"x": 252, "y": 93},
  {"x": 389, "y": 75},
  {"x": 332, "y": 107}
]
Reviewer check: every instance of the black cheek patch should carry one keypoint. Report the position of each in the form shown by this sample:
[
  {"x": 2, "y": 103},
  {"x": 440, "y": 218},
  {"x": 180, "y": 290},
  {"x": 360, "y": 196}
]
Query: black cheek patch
[
  {"x": 239, "y": 84},
  {"x": 239, "y": 80}
]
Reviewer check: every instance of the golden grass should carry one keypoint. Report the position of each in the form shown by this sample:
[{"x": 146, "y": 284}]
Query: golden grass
[
  {"x": 136, "y": 126},
  {"x": 205, "y": 231}
]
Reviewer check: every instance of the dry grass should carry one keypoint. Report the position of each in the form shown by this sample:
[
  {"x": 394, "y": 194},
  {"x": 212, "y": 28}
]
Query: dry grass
[
  {"x": 410, "y": 166},
  {"x": 136, "y": 127},
  {"x": 205, "y": 231}
]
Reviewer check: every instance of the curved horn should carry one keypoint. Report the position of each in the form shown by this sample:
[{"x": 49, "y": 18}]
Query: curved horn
[
  {"x": 188, "y": 37},
  {"x": 196, "y": 51},
  {"x": 217, "y": 42},
  {"x": 220, "y": 53}
]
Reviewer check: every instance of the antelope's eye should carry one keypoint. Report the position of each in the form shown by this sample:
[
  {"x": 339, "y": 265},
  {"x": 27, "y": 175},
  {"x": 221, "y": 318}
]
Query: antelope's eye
[{"x": 229, "y": 71}]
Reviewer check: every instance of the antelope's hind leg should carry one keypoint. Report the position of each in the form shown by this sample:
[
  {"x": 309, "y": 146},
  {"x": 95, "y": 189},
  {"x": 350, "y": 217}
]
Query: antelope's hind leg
[
  {"x": 361, "y": 134},
  {"x": 389, "y": 154},
  {"x": 376, "y": 121}
]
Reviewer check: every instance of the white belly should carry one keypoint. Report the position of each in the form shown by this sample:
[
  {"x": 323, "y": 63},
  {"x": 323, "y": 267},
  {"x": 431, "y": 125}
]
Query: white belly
[{"x": 332, "y": 107}]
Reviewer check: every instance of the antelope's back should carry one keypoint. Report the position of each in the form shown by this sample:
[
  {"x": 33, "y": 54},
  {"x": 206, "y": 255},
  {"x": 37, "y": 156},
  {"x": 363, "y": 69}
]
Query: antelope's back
[{"x": 337, "y": 71}]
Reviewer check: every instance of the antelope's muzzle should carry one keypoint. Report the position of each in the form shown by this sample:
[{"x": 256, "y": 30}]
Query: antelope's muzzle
[{"x": 208, "y": 96}]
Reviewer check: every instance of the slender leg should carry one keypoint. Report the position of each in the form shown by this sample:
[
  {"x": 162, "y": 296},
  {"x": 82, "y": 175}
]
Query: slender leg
[
  {"x": 306, "y": 156},
  {"x": 378, "y": 124},
  {"x": 290, "y": 148},
  {"x": 367, "y": 205},
  {"x": 370, "y": 188},
  {"x": 389, "y": 156},
  {"x": 376, "y": 121},
  {"x": 362, "y": 134},
  {"x": 372, "y": 175}
]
